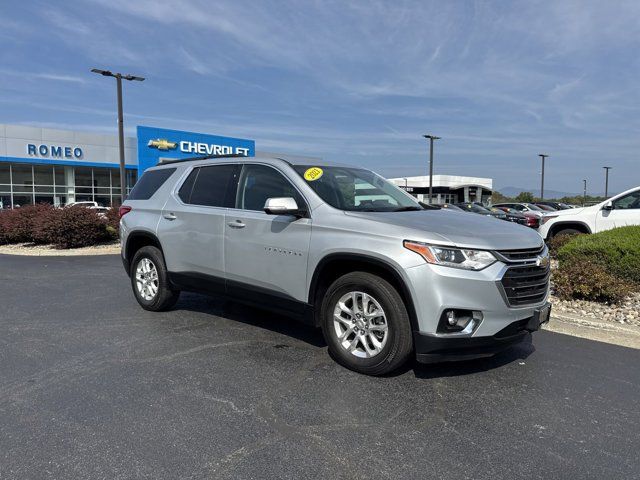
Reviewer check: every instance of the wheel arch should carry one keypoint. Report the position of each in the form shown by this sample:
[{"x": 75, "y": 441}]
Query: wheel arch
[
  {"x": 335, "y": 265},
  {"x": 575, "y": 224},
  {"x": 135, "y": 241}
]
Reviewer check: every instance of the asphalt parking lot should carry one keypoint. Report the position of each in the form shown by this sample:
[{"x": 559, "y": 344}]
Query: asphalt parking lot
[{"x": 92, "y": 386}]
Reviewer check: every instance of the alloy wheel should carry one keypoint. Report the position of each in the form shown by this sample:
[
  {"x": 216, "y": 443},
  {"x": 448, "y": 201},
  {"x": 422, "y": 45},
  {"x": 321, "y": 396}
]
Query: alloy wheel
[
  {"x": 360, "y": 324},
  {"x": 147, "y": 279}
]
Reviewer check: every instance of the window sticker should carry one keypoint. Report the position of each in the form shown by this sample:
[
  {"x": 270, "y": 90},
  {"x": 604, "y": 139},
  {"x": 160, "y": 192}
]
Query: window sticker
[{"x": 313, "y": 173}]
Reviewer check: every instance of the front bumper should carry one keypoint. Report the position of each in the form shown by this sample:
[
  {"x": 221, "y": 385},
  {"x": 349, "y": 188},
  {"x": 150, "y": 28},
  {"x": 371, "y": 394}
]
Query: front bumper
[
  {"x": 435, "y": 289},
  {"x": 439, "y": 348}
]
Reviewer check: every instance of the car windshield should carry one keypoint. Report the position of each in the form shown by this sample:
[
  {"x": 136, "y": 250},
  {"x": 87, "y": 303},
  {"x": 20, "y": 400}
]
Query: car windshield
[{"x": 356, "y": 189}]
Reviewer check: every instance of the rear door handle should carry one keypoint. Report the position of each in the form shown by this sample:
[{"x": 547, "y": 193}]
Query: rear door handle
[
  {"x": 169, "y": 216},
  {"x": 236, "y": 224}
]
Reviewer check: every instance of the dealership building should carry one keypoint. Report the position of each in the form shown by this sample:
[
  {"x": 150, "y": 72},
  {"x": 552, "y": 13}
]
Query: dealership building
[
  {"x": 63, "y": 166},
  {"x": 448, "y": 188}
]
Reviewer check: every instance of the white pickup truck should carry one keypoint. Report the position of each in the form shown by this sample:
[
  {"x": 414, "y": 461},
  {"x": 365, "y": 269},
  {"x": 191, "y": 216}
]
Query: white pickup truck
[{"x": 618, "y": 211}]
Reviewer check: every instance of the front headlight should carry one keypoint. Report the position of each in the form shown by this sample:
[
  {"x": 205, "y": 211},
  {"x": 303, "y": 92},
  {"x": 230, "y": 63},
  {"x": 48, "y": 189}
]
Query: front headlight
[
  {"x": 452, "y": 257},
  {"x": 546, "y": 218}
]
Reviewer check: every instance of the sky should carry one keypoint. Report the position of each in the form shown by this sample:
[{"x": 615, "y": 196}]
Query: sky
[{"x": 358, "y": 82}]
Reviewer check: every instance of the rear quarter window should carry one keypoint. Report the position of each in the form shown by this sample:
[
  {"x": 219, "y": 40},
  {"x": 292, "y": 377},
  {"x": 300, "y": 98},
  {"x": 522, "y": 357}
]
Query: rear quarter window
[{"x": 149, "y": 183}]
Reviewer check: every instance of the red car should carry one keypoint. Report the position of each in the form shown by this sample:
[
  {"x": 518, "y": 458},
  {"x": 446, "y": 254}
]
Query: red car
[{"x": 533, "y": 220}]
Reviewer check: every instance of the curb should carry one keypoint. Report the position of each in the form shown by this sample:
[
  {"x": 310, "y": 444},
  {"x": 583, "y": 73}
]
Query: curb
[
  {"x": 593, "y": 329},
  {"x": 71, "y": 252},
  {"x": 595, "y": 323}
]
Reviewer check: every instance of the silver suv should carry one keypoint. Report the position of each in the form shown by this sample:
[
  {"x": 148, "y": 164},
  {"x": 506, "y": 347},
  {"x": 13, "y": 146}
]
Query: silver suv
[{"x": 340, "y": 248}]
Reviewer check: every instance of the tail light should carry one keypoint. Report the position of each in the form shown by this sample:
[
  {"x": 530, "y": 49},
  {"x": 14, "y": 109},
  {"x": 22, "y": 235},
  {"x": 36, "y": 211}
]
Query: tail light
[{"x": 123, "y": 210}]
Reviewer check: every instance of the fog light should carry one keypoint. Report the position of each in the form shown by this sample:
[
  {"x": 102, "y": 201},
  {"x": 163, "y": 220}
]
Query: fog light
[{"x": 459, "y": 322}]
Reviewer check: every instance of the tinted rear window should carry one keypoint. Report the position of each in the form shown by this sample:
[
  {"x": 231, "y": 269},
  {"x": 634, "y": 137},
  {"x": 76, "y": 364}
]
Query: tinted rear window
[
  {"x": 149, "y": 183},
  {"x": 210, "y": 186}
]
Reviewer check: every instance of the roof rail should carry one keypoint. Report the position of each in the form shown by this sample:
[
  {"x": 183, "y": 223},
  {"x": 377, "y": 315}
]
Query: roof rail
[{"x": 204, "y": 157}]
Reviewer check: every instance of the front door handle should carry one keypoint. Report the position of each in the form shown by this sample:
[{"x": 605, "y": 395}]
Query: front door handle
[
  {"x": 236, "y": 224},
  {"x": 169, "y": 216}
]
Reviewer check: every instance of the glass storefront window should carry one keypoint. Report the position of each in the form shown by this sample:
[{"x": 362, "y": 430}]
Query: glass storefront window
[
  {"x": 22, "y": 200},
  {"x": 101, "y": 177},
  {"x": 43, "y": 175},
  {"x": 22, "y": 176},
  {"x": 48, "y": 183},
  {"x": 83, "y": 177},
  {"x": 60, "y": 177},
  {"x": 103, "y": 201},
  {"x": 5, "y": 176},
  {"x": 5, "y": 201}
]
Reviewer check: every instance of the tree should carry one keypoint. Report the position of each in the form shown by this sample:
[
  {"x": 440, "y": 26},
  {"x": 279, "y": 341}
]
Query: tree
[
  {"x": 497, "y": 197},
  {"x": 525, "y": 197}
]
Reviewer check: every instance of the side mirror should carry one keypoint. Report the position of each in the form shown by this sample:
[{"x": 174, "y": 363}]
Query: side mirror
[
  {"x": 281, "y": 206},
  {"x": 608, "y": 206}
]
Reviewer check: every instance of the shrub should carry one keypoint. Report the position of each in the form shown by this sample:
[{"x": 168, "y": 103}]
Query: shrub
[
  {"x": 559, "y": 241},
  {"x": 17, "y": 226},
  {"x": 587, "y": 280},
  {"x": 72, "y": 228},
  {"x": 617, "y": 251},
  {"x": 113, "y": 222}
]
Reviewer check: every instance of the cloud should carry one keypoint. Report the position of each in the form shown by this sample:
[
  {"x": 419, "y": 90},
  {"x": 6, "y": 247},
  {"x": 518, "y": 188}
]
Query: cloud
[{"x": 361, "y": 81}]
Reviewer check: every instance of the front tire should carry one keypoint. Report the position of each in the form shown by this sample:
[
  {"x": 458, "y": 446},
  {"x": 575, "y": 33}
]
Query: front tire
[
  {"x": 567, "y": 231},
  {"x": 366, "y": 325},
  {"x": 150, "y": 281}
]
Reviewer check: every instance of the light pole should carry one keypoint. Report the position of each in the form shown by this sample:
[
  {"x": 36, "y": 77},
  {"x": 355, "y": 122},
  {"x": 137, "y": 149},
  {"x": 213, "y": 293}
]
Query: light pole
[
  {"x": 119, "y": 77},
  {"x": 584, "y": 197},
  {"x": 543, "y": 157},
  {"x": 405, "y": 183},
  {"x": 431, "y": 139},
  {"x": 606, "y": 181}
]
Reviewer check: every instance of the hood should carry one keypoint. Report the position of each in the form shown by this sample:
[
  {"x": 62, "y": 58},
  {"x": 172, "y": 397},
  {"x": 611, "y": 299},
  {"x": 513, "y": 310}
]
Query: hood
[
  {"x": 459, "y": 229},
  {"x": 572, "y": 211}
]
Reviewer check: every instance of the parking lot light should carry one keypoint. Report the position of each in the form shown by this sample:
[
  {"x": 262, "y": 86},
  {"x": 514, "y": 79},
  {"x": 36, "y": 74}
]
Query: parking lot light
[
  {"x": 431, "y": 139},
  {"x": 119, "y": 77},
  {"x": 606, "y": 181},
  {"x": 543, "y": 156}
]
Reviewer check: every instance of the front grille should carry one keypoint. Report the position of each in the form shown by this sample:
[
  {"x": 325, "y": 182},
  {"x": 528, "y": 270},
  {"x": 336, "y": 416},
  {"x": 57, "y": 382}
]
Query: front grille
[
  {"x": 522, "y": 254},
  {"x": 525, "y": 285}
]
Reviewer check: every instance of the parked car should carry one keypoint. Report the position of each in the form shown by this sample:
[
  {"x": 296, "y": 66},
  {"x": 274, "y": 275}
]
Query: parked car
[
  {"x": 555, "y": 205},
  {"x": 340, "y": 248},
  {"x": 99, "y": 209},
  {"x": 449, "y": 206},
  {"x": 87, "y": 204},
  {"x": 513, "y": 215},
  {"x": 618, "y": 211},
  {"x": 546, "y": 208},
  {"x": 531, "y": 219},
  {"x": 523, "y": 207},
  {"x": 475, "y": 208}
]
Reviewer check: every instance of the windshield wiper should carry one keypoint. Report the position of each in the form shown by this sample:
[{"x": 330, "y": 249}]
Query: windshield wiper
[{"x": 407, "y": 209}]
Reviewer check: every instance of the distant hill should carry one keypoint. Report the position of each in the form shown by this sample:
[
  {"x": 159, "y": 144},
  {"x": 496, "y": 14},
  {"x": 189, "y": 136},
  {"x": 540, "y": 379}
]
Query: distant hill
[{"x": 514, "y": 191}]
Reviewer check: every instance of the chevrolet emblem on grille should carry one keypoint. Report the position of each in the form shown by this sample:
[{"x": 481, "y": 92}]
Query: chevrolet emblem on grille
[{"x": 162, "y": 144}]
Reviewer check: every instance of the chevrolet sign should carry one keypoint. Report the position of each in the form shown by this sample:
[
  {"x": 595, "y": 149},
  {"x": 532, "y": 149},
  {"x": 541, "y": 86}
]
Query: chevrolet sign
[
  {"x": 162, "y": 144},
  {"x": 211, "y": 149},
  {"x": 156, "y": 145}
]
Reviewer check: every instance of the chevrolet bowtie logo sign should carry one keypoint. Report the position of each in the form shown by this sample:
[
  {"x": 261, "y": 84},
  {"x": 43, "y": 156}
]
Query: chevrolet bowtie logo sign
[{"x": 162, "y": 144}]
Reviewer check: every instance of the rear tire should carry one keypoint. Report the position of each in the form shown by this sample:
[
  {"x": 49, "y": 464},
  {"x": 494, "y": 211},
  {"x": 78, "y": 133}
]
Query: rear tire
[
  {"x": 150, "y": 281},
  {"x": 373, "y": 338}
]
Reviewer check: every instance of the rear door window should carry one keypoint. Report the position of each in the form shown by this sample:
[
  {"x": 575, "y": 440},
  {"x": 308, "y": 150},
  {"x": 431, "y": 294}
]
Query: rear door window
[
  {"x": 210, "y": 186},
  {"x": 149, "y": 183}
]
